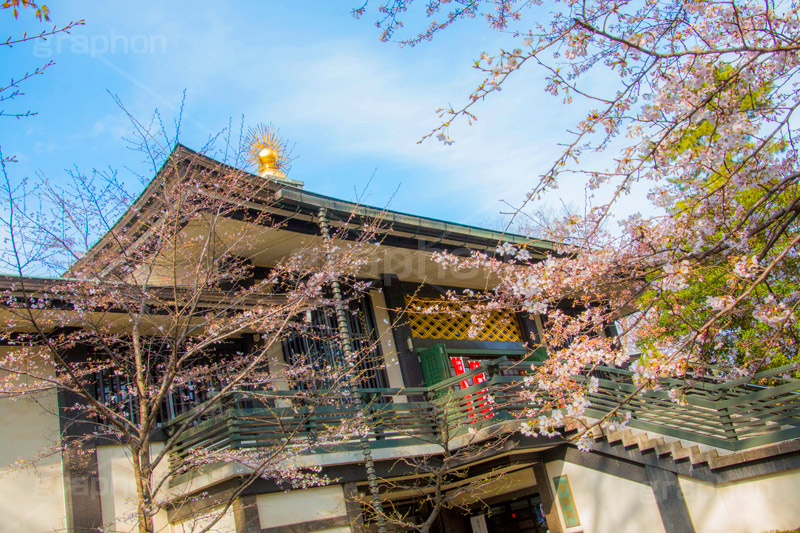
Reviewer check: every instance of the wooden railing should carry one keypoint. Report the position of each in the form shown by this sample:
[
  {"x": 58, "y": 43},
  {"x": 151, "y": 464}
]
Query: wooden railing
[
  {"x": 253, "y": 420},
  {"x": 732, "y": 415},
  {"x": 729, "y": 414}
]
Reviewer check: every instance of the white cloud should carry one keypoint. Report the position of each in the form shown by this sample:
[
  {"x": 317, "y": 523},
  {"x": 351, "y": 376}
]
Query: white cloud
[
  {"x": 368, "y": 107},
  {"x": 341, "y": 95}
]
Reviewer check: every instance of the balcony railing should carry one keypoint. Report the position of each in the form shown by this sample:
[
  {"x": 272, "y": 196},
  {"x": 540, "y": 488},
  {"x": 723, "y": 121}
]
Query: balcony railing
[{"x": 732, "y": 415}]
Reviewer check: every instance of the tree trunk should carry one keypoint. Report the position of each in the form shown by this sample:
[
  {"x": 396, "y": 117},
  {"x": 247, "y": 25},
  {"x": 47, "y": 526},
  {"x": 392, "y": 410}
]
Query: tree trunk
[
  {"x": 142, "y": 466},
  {"x": 143, "y": 475}
]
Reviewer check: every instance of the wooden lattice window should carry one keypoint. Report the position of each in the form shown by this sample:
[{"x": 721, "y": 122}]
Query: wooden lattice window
[{"x": 451, "y": 323}]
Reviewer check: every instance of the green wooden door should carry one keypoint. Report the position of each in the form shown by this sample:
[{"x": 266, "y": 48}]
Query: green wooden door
[
  {"x": 435, "y": 364},
  {"x": 539, "y": 355}
]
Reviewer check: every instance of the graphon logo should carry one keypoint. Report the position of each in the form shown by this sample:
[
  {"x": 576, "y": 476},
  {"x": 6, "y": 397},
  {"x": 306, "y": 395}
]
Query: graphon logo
[{"x": 101, "y": 44}]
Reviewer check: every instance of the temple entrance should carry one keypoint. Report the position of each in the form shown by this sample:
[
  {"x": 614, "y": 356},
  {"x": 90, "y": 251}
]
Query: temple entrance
[{"x": 521, "y": 515}]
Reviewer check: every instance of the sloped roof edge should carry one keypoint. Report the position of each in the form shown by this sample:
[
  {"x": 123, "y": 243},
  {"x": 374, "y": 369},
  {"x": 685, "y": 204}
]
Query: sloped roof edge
[
  {"x": 425, "y": 225},
  {"x": 289, "y": 196}
]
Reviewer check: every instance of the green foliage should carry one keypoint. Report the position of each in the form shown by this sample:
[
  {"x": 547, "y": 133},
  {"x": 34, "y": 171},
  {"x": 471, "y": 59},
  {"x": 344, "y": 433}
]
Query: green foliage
[{"x": 739, "y": 337}]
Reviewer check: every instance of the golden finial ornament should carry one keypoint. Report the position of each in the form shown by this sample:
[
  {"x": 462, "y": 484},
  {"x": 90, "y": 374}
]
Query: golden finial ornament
[{"x": 267, "y": 150}]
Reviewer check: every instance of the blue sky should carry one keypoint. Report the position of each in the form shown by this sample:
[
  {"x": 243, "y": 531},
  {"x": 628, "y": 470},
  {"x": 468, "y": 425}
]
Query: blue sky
[{"x": 349, "y": 104}]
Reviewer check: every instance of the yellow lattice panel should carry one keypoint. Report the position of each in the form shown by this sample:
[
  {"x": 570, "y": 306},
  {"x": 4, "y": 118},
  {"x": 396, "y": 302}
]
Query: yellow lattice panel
[{"x": 450, "y": 323}]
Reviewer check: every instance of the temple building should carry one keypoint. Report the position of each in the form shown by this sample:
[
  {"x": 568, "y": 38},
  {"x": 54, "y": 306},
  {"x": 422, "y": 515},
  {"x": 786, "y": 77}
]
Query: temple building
[{"x": 727, "y": 460}]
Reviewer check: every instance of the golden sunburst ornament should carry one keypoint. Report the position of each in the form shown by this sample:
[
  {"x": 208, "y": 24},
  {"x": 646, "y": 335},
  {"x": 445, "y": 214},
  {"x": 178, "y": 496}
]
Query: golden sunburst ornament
[{"x": 267, "y": 150}]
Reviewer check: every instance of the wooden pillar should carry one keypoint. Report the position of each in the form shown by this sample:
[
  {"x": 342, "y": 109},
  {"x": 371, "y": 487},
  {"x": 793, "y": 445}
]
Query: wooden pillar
[
  {"x": 669, "y": 498},
  {"x": 245, "y": 515},
  {"x": 352, "y": 501},
  {"x": 79, "y": 461},
  {"x": 394, "y": 293},
  {"x": 383, "y": 325},
  {"x": 546, "y": 495}
]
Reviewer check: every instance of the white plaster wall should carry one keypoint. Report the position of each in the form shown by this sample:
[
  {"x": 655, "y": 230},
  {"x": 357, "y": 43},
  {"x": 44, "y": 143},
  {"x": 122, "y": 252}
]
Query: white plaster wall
[
  {"x": 31, "y": 498},
  {"x": 226, "y": 524},
  {"x": 752, "y": 506},
  {"x": 293, "y": 507},
  {"x": 118, "y": 488},
  {"x": 606, "y": 503}
]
